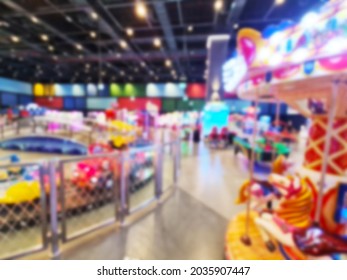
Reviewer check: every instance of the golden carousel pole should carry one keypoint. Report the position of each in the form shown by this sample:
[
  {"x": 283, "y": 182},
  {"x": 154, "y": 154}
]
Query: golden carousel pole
[
  {"x": 246, "y": 238},
  {"x": 277, "y": 121},
  {"x": 331, "y": 116}
]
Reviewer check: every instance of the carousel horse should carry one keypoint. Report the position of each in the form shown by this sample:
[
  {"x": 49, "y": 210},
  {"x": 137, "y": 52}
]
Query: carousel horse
[{"x": 290, "y": 220}]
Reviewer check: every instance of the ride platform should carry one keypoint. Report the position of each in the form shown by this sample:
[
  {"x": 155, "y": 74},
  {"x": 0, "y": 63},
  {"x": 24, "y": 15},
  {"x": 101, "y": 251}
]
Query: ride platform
[{"x": 235, "y": 249}]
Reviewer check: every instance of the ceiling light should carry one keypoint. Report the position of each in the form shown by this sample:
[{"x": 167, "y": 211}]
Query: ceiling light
[
  {"x": 143, "y": 64},
  {"x": 92, "y": 34},
  {"x": 218, "y": 5},
  {"x": 157, "y": 42},
  {"x": 118, "y": 55},
  {"x": 54, "y": 57},
  {"x": 190, "y": 28},
  {"x": 94, "y": 15},
  {"x": 236, "y": 25},
  {"x": 51, "y": 48},
  {"x": 168, "y": 63},
  {"x": 69, "y": 19},
  {"x": 15, "y": 39},
  {"x": 4, "y": 24},
  {"x": 130, "y": 32},
  {"x": 140, "y": 9},
  {"x": 79, "y": 47},
  {"x": 279, "y": 2},
  {"x": 44, "y": 37},
  {"x": 123, "y": 44},
  {"x": 122, "y": 73},
  {"x": 34, "y": 19}
]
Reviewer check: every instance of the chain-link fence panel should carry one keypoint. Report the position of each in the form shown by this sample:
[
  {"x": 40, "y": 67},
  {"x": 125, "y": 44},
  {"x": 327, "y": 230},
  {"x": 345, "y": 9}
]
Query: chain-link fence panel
[
  {"x": 88, "y": 194},
  {"x": 140, "y": 180},
  {"x": 23, "y": 215}
]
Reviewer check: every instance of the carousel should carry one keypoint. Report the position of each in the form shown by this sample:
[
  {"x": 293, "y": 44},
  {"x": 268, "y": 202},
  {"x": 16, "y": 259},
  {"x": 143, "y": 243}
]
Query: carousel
[{"x": 297, "y": 213}]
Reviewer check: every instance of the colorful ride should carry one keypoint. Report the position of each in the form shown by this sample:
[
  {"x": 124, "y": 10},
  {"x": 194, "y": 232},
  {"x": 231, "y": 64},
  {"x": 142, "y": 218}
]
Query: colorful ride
[
  {"x": 21, "y": 192},
  {"x": 92, "y": 173},
  {"x": 122, "y": 134},
  {"x": 265, "y": 151},
  {"x": 285, "y": 207}
]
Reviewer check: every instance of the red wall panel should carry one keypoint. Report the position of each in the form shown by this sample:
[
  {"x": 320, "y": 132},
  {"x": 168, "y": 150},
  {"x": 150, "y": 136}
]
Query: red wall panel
[
  {"x": 50, "y": 102},
  {"x": 137, "y": 103},
  {"x": 197, "y": 91}
]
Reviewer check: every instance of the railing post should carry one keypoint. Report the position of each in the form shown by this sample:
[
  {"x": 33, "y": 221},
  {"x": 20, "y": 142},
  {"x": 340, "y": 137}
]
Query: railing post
[
  {"x": 53, "y": 209},
  {"x": 159, "y": 171},
  {"x": 176, "y": 159},
  {"x": 124, "y": 191}
]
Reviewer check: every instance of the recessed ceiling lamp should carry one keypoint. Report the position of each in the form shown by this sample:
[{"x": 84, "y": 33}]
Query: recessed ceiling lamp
[
  {"x": 44, "y": 37},
  {"x": 123, "y": 44},
  {"x": 34, "y": 19},
  {"x": 218, "y": 5},
  {"x": 168, "y": 63},
  {"x": 4, "y": 24},
  {"x": 143, "y": 64},
  {"x": 15, "y": 39},
  {"x": 140, "y": 9},
  {"x": 92, "y": 34},
  {"x": 190, "y": 28},
  {"x": 157, "y": 42},
  {"x": 129, "y": 31},
  {"x": 79, "y": 47},
  {"x": 122, "y": 73},
  {"x": 279, "y": 2},
  {"x": 94, "y": 15},
  {"x": 236, "y": 25},
  {"x": 68, "y": 19},
  {"x": 50, "y": 48}
]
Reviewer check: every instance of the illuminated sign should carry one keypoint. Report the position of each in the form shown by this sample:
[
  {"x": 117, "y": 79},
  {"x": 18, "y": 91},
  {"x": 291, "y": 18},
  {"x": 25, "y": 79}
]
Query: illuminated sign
[{"x": 318, "y": 35}]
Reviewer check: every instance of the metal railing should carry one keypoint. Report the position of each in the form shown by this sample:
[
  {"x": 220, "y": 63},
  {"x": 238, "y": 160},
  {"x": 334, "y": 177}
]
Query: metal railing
[
  {"x": 23, "y": 210},
  {"x": 79, "y": 195}
]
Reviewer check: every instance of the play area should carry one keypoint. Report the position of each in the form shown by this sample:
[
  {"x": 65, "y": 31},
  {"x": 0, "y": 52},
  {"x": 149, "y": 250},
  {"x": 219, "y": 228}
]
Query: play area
[{"x": 173, "y": 129}]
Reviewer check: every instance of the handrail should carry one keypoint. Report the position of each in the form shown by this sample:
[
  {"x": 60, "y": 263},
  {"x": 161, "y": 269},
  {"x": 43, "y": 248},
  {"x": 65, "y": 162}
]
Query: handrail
[{"x": 49, "y": 169}]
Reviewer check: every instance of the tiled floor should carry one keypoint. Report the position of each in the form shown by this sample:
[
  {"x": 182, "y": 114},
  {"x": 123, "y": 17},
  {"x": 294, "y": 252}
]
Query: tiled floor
[
  {"x": 181, "y": 228},
  {"x": 189, "y": 225}
]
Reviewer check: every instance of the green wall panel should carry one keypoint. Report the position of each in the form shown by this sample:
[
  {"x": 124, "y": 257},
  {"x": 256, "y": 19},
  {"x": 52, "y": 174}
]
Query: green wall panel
[
  {"x": 190, "y": 105},
  {"x": 197, "y": 105},
  {"x": 128, "y": 90},
  {"x": 169, "y": 105},
  {"x": 115, "y": 90},
  {"x": 136, "y": 90}
]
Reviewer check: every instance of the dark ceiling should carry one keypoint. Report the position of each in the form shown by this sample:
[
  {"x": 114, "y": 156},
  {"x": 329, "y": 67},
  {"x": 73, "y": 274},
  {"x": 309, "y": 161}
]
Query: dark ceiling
[{"x": 71, "y": 54}]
